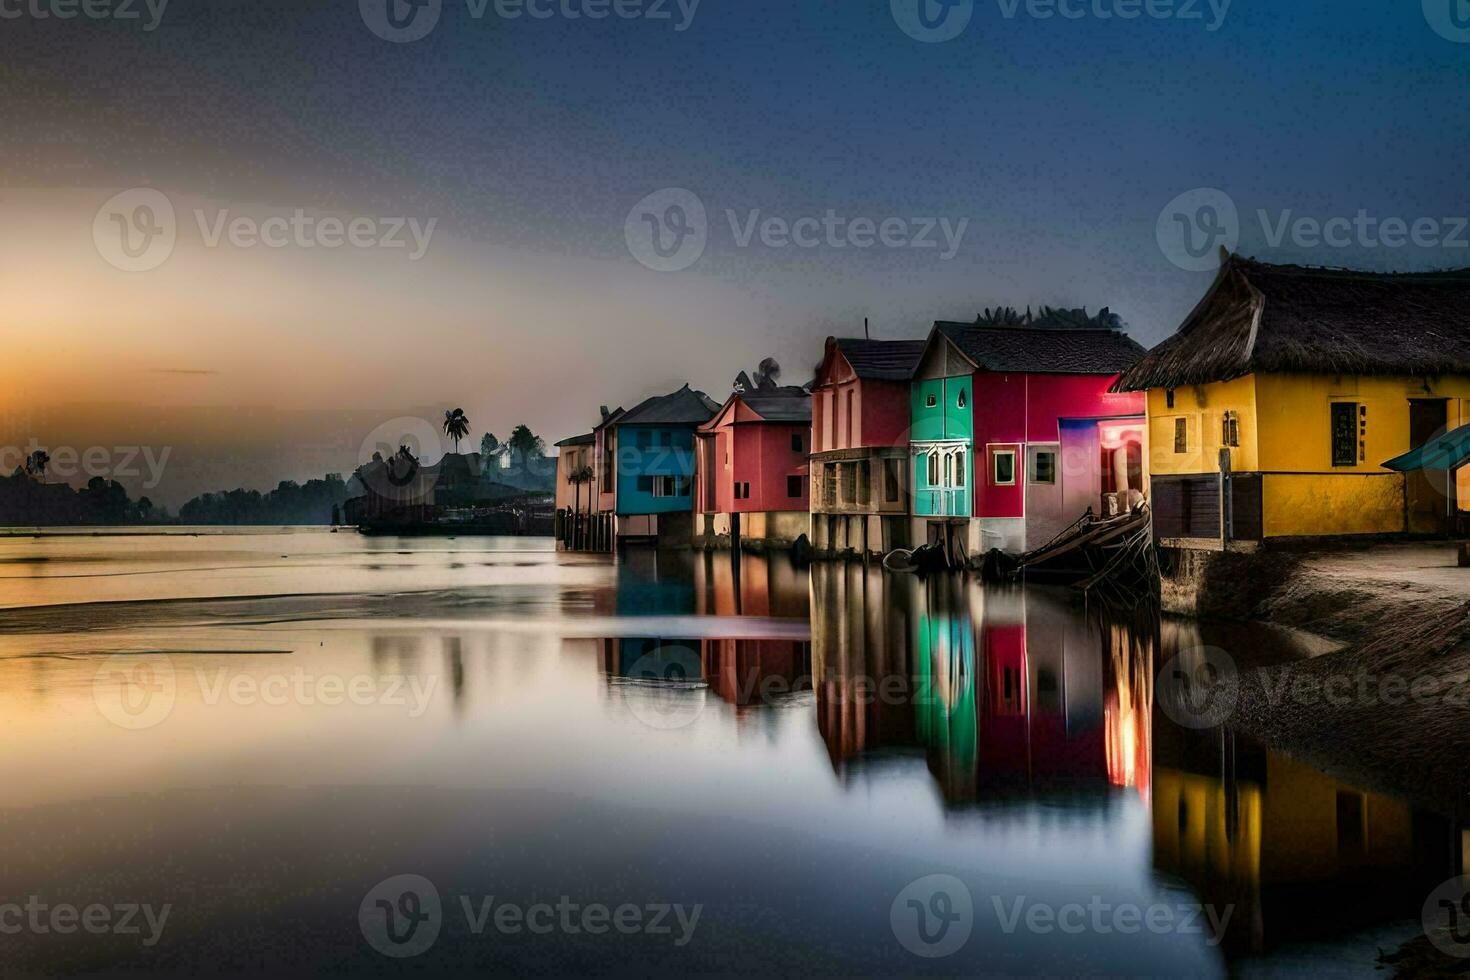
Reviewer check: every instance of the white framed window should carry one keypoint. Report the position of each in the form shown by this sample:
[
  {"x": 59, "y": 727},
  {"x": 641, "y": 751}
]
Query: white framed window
[
  {"x": 934, "y": 467},
  {"x": 959, "y": 468},
  {"x": 1003, "y": 467},
  {"x": 1044, "y": 466}
]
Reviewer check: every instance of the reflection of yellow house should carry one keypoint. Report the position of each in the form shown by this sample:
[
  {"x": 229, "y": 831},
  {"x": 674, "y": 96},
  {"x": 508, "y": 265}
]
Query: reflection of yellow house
[
  {"x": 1310, "y": 379},
  {"x": 1295, "y": 829}
]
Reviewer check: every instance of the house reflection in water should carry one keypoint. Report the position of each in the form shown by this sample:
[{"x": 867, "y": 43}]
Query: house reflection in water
[
  {"x": 1299, "y": 854},
  {"x": 1004, "y": 690},
  {"x": 746, "y": 664}
]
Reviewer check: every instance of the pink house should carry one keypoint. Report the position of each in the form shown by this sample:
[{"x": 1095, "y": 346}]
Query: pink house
[
  {"x": 860, "y": 445},
  {"x": 751, "y": 469},
  {"x": 1047, "y": 438}
]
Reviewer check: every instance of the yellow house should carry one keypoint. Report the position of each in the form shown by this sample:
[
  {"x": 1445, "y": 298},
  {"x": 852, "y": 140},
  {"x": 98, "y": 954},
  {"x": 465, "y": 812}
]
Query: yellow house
[{"x": 1293, "y": 386}]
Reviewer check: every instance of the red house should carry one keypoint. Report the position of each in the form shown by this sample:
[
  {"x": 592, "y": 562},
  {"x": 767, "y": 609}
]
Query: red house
[
  {"x": 860, "y": 445},
  {"x": 1015, "y": 433},
  {"x": 751, "y": 469}
]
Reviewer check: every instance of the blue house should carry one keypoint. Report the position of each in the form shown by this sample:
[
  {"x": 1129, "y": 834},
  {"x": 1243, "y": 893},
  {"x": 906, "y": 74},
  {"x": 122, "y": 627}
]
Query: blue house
[{"x": 654, "y": 465}]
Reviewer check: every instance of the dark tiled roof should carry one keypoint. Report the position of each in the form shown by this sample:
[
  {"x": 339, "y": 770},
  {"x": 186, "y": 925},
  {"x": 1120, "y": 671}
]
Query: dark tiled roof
[
  {"x": 1284, "y": 318},
  {"x": 780, "y": 404},
  {"x": 682, "y": 407},
  {"x": 585, "y": 439},
  {"x": 1044, "y": 349},
  {"x": 882, "y": 360}
]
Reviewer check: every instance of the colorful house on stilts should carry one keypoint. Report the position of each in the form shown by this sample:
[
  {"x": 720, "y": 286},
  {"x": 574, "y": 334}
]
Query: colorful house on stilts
[
  {"x": 860, "y": 446},
  {"x": 1277, "y": 404},
  {"x": 752, "y": 466},
  {"x": 648, "y": 457},
  {"x": 1015, "y": 433}
]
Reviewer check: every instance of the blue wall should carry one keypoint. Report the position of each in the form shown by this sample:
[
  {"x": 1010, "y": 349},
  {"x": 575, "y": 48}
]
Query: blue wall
[{"x": 648, "y": 451}]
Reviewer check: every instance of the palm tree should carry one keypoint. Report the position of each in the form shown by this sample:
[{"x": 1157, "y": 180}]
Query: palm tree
[
  {"x": 36, "y": 463},
  {"x": 577, "y": 477},
  {"x": 456, "y": 426}
]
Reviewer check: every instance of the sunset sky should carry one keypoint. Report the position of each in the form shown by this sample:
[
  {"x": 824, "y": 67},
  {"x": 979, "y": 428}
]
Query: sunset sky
[{"x": 528, "y": 141}]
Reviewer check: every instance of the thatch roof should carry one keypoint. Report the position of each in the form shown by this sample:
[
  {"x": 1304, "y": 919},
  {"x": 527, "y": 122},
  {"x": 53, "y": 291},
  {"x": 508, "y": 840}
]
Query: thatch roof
[{"x": 1258, "y": 317}]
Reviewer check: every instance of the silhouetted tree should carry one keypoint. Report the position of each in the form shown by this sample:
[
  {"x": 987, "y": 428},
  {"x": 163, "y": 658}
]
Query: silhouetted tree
[
  {"x": 37, "y": 462},
  {"x": 488, "y": 444},
  {"x": 526, "y": 443},
  {"x": 456, "y": 426}
]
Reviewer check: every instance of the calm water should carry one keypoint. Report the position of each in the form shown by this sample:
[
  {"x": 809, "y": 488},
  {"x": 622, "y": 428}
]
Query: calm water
[{"x": 257, "y": 730}]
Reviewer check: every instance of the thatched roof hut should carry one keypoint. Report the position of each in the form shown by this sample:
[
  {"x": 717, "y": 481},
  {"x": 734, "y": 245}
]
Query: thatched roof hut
[{"x": 1259, "y": 317}]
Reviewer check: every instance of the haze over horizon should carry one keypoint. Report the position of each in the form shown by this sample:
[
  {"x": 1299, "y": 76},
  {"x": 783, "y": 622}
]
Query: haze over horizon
[{"x": 521, "y": 147}]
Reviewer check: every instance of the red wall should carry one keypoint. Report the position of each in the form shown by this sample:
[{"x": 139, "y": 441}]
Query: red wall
[
  {"x": 1014, "y": 409},
  {"x": 761, "y": 455},
  {"x": 882, "y": 409}
]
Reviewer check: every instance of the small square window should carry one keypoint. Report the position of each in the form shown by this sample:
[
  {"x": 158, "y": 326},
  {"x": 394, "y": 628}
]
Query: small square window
[
  {"x": 796, "y": 442},
  {"x": 1169, "y": 397},
  {"x": 793, "y": 486},
  {"x": 931, "y": 401},
  {"x": 1003, "y": 467},
  {"x": 1044, "y": 467}
]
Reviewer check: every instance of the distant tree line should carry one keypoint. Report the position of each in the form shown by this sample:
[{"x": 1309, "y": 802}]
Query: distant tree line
[{"x": 314, "y": 502}]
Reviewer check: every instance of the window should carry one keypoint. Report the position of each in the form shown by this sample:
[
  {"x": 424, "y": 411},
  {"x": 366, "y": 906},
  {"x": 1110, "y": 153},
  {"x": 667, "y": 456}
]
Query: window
[
  {"x": 961, "y": 400},
  {"x": 1044, "y": 467},
  {"x": 796, "y": 442},
  {"x": 1181, "y": 435},
  {"x": 1003, "y": 467},
  {"x": 890, "y": 480},
  {"x": 645, "y": 484},
  {"x": 669, "y": 486},
  {"x": 1344, "y": 433},
  {"x": 865, "y": 483},
  {"x": 959, "y": 468},
  {"x": 934, "y": 468},
  {"x": 1230, "y": 429},
  {"x": 931, "y": 401},
  {"x": 793, "y": 486},
  {"x": 738, "y": 495},
  {"x": 1169, "y": 397}
]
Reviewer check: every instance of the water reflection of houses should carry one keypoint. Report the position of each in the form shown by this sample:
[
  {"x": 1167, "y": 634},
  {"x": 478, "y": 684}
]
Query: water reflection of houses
[
  {"x": 747, "y": 663},
  {"x": 1004, "y": 691},
  {"x": 1298, "y": 853}
]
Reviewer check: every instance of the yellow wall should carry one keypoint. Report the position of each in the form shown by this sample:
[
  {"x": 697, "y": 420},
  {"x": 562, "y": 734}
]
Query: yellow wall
[
  {"x": 1202, "y": 407},
  {"x": 1285, "y": 432}
]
